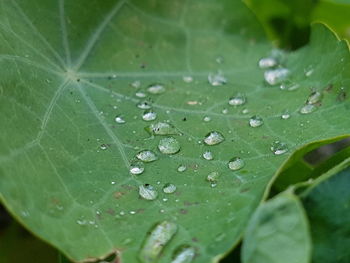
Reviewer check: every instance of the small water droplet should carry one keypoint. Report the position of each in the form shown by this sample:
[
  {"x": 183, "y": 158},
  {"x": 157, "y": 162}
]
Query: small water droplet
[
  {"x": 140, "y": 94},
  {"x": 184, "y": 254},
  {"x": 245, "y": 111},
  {"x": 155, "y": 242},
  {"x": 206, "y": 119},
  {"x": 144, "y": 105},
  {"x": 217, "y": 79},
  {"x": 187, "y": 79},
  {"x": 208, "y": 155},
  {"x": 314, "y": 97},
  {"x": 237, "y": 100},
  {"x": 236, "y": 163},
  {"x": 224, "y": 111},
  {"x": 212, "y": 177},
  {"x": 289, "y": 86},
  {"x": 285, "y": 115},
  {"x": 149, "y": 115},
  {"x": 119, "y": 119},
  {"x": 103, "y": 146},
  {"x": 156, "y": 88},
  {"x": 146, "y": 156},
  {"x": 148, "y": 192},
  {"x": 268, "y": 62},
  {"x": 255, "y": 121},
  {"x": 113, "y": 183},
  {"x": 276, "y": 76},
  {"x": 213, "y": 138},
  {"x": 161, "y": 128},
  {"x": 279, "y": 148},
  {"x": 136, "y": 84},
  {"x": 169, "y": 188},
  {"x": 169, "y": 145},
  {"x": 181, "y": 168},
  {"x": 308, "y": 108},
  {"x": 137, "y": 168}
]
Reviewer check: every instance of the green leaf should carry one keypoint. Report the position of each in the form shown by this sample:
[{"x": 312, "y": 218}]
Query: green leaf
[
  {"x": 327, "y": 203},
  {"x": 70, "y": 68},
  {"x": 278, "y": 230}
]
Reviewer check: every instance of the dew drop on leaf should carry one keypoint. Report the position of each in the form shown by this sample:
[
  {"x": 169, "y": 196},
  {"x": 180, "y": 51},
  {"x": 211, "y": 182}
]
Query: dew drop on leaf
[
  {"x": 314, "y": 97},
  {"x": 136, "y": 84},
  {"x": 157, "y": 239},
  {"x": 276, "y": 76},
  {"x": 213, "y": 138},
  {"x": 103, "y": 146},
  {"x": 255, "y": 121},
  {"x": 184, "y": 254},
  {"x": 237, "y": 100},
  {"x": 144, "y": 105},
  {"x": 161, "y": 128},
  {"x": 212, "y": 177},
  {"x": 208, "y": 155},
  {"x": 285, "y": 115},
  {"x": 156, "y": 89},
  {"x": 149, "y": 115},
  {"x": 206, "y": 119},
  {"x": 278, "y": 148},
  {"x": 236, "y": 163},
  {"x": 187, "y": 79},
  {"x": 268, "y": 62},
  {"x": 119, "y": 119},
  {"x": 181, "y": 168},
  {"x": 308, "y": 108},
  {"x": 148, "y": 192},
  {"x": 217, "y": 79},
  {"x": 169, "y": 145},
  {"x": 137, "y": 168},
  {"x": 146, "y": 156},
  {"x": 140, "y": 94},
  {"x": 169, "y": 188}
]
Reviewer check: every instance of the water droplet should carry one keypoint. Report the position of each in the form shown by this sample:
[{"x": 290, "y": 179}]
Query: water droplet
[
  {"x": 156, "y": 89},
  {"x": 136, "y": 84},
  {"x": 187, "y": 79},
  {"x": 212, "y": 177},
  {"x": 148, "y": 192},
  {"x": 268, "y": 62},
  {"x": 144, "y": 105},
  {"x": 314, "y": 97},
  {"x": 279, "y": 148},
  {"x": 146, "y": 156},
  {"x": 136, "y": 168},
  {"x": 159, "y": 237},
  {"x": 285, "y": 115},
  {"x": 224, "y": 111},
  {"x": 119, "y": 119},
  {"x": 169, "y": 145},
  {"x": 113, "y": 183},
  {"x": 237, "y": 100},
  {"x": 206, "y": 119},
  {"x": 169, "y": 188},
  {"x": 149, "y": 115},
  {"x": 184, "y": 254},
  {"x": 276, "y": 76},
  {"x": 289, "y": 86},
  {"x": 236, "y": 163},
  {"x": 255, "y": 121},
  {"x": 161, "y": 128},
  {"x": 217, "y": 79},
  {"x": 140, "y": 94},
  {"x": 245, "y": 111},
  {"x": 213, "y": 138},
  {"x": 103, "y": 146},
  {"x": 181, "y": 168},
  {"x": 308, "y": 108},
  {"x": 208, "y": 155}
]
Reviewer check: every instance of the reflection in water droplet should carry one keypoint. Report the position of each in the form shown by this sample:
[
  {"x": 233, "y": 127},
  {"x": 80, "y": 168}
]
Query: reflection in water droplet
[
  {"x": 213, "y": 138},
  {"x": 169, "y": 145},
  {"x": 156, "y": 89},
  {"x": 279, "y": 148},
  {"x": 149, "y": 115},
  {"x": 181, "y": 168},
  {"x": 208, "y": 155},
  {"x": 268, "y": 62},
  {"x": 144, "y": 105},
  {"x": 314, "y": 97},
  {"x": 159, "y": 237},
  {"x": 236, "y": 163},
  {"x": 184, "y": 254},
  {"x": 213, "y": 176},
  {"x": 276, "y": 76},
  {"x": 119, "y": 119},
  {"x": 308, "y": 108},
  {"x": 217, "y": 79},
  {"x": 187, "y": 79},
  {"x": 237, "y": 100},
  {"x": 161, "y": 128},
  {"x": 169, "y": 188},
  {"x": 146, "y": 156},
  {"x": 136, "y": 168},
  {"x": 255, "y": 121},
  {"x": 148, "y": 192}
]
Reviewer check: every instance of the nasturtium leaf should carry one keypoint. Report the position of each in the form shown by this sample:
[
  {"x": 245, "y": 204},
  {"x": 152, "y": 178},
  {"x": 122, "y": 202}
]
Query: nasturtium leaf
[
  {"x": 327, "y": 203},
  {"x": 278, "y": 230},
  {"x": 76, "y": 80}
]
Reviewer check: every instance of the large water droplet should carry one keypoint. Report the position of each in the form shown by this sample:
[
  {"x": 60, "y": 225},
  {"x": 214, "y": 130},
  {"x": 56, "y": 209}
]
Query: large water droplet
[
  {"x": 208, "y": 155},
  {"x": 236, "y": 163},
  {"x": 169, "y": 188},
  {"x": 237, "y": 100},
  {"x": 213, "y": 138},
  {"x": 308, "y": 108},
  {"x": 148, "y": 192},
  {"x": 276, "y": 76},
  {"x": 279, "y": 148},
  {"x": 255, "y": 121},
  {"x": 156, "y": 89},
  {"x": 268, "y": 62},
  {"x": 146, "y": 156},
  {"x": 144, "y": 105},
  {"x": 181, "y": 168},
  {"x": 169, "y": 145},
  {"x": 159, "y": 237},
  {"x": 136, "y": 168},
  {"x": 149, "y": 115},
  {"x": 161, "y": 128},
  {"x": 184, "y": 254},
  {"x": 314, "y": 97},
  {"x": 119, "y": 119},
  {"x": 217, "y": 79}
]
